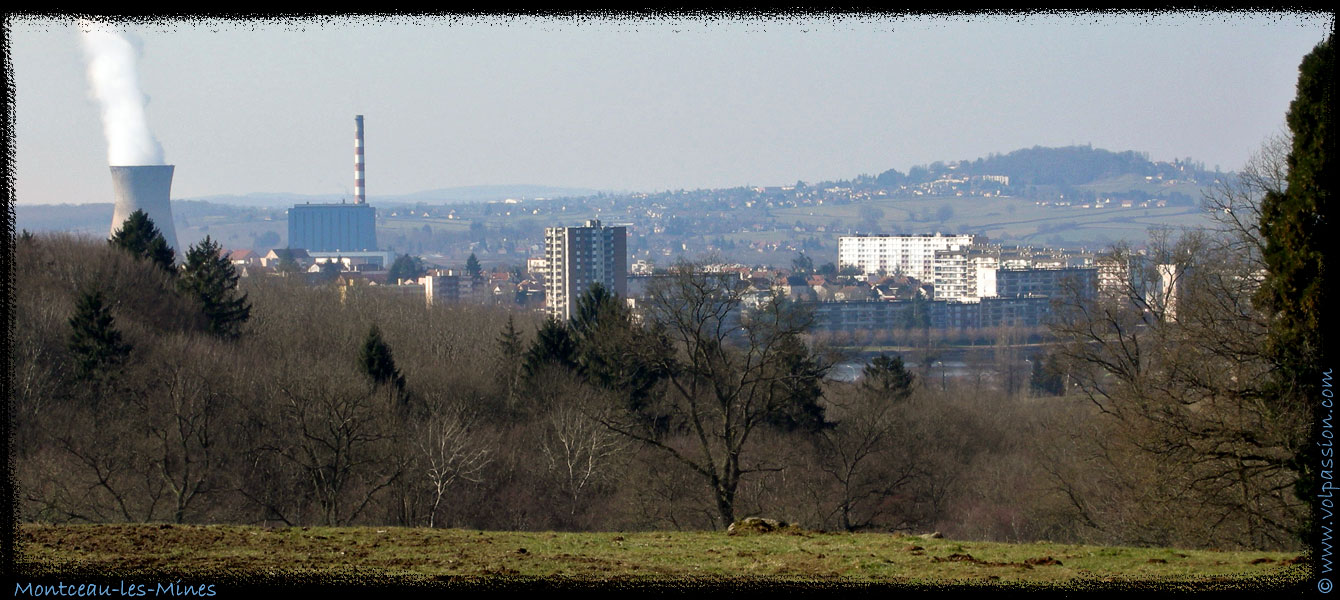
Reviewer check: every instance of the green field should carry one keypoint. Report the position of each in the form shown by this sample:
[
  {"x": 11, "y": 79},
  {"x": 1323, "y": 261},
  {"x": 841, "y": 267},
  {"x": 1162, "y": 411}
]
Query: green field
[
  {"x": 1004, "y": 218},
  {"x": 417, "y": 555}
]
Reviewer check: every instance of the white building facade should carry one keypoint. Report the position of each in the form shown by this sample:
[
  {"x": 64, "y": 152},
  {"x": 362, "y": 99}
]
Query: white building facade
[{"x": 911, "y": 255}]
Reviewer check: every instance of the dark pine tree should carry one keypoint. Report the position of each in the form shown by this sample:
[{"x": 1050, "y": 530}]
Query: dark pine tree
[
  {"x": 553, "y": 345},
  {"x": 510, "y": 341},
  {"x": 1047, "y": 378},
  {"x": 802, "y": 264},
  {"x": 379, "y": 364},
  {"x": 596, "y": 305},
  {"x": 887, "y": 377},
  {"x": 405, "y": 267},
  {"x": 472, "y": 267},
  {"x": 613, "y": 352},
  {"x": 288, "y": 265},
  {"x": 94, "y": 340},
  {"x": 1295, "y": 227},
  {"x": 209, "y": 277},
  {"x": 512, "y": 350},
  {"x": 799, "y": 381},
  {"x": 141, "y": 238},
  {"x": 330, "y": 271},
  {"x": 917, "y": 314}
]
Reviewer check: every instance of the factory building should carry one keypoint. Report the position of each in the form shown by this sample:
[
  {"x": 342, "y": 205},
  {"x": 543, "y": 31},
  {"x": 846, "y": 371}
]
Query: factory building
[
  {"x": 337, "y": 227},
  {"x": 332, "y": 227}
]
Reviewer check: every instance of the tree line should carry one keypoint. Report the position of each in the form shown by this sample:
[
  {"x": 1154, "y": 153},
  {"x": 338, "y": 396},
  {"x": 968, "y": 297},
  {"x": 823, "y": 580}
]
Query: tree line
[{"x": 363, "y": 408}]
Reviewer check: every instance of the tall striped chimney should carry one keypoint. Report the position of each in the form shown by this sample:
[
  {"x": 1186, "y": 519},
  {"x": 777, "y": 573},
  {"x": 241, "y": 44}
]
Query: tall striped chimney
[{"x": 360, "y": 193}]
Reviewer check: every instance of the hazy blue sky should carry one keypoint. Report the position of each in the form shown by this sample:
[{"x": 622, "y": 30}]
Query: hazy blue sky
[{"x": 637, "y": 104}]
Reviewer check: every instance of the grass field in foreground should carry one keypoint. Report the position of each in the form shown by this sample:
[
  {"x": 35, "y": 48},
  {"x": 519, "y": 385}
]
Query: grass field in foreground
[{"x": 411, "y": 554}]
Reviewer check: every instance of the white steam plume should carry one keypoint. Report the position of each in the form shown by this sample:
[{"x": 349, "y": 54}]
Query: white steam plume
[{"x": 111, "y": 59}]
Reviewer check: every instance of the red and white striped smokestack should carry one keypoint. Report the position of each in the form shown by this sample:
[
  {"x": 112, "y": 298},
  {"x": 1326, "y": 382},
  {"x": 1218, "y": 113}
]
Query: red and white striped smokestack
[{"x": 360, "y": 193}]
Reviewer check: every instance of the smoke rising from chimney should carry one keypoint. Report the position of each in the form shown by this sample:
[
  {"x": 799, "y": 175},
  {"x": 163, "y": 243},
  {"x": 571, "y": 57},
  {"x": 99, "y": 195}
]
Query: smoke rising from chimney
[{"x": 111, "y": 58}]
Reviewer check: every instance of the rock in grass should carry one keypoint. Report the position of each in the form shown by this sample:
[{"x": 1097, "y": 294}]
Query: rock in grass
[{"x": 760, "y": 525}]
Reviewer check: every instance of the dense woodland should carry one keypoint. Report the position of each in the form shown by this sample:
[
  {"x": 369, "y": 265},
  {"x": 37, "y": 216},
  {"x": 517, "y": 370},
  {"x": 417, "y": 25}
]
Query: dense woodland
[{"x": 364, "y": 408}]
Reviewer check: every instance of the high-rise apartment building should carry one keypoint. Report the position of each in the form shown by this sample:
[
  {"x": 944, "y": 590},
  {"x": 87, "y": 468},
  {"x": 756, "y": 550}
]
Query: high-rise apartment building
[
  {"x": 966, "y": 274},
  {"x": 578, "y": 257}
]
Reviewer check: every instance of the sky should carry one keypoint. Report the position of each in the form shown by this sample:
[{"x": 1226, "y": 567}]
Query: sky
[{"x": 647, "y": 104}]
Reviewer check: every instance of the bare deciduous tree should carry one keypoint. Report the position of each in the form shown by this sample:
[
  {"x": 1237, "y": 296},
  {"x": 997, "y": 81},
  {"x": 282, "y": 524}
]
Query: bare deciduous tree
[
  {"x": 452, "y": 450},
  {"x": 181, "y": 413},
  {"x": 341, "y": 441},
  {"x": 724, "y": 380},
  {"x": 1177, "y": 369},
  {"x": 858, "y": 455},
  {"x": 577, "y": 446}
]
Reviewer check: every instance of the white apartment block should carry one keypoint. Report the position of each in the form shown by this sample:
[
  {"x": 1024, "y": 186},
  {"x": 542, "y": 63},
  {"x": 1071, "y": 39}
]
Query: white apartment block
[
  {"x": 952, "y": 278},
  {"x": 912, "y": 255},
  {"x": 1114, "y": 276},
  {"x": 578, "y": 257},
  {"x": 1170, "y": 288},
  {"x": 1129, "y": 276},
  {"x": 966, "y": 274}
]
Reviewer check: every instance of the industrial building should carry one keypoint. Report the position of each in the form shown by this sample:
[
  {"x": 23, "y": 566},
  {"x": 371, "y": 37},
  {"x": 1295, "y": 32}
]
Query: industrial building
[
  {"x": 578, "y": 257},
  {"x": 332, "y": 227},
  {"x": 339, "y": 227}
]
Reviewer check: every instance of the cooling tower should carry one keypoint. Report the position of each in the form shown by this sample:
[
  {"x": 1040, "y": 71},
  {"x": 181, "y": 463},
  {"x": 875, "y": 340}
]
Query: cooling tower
[{"x": 145, "y": 188}]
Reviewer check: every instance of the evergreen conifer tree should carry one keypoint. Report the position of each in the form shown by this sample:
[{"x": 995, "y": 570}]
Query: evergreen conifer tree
[
  {"x": 1294, "y": 225},
  {"x": 288, "y": 265},
  {"x": 798, "y": 380},
  {"x": 509, "y": 343},
  {"x": 596, "y": 307},
  {"x": 139, "y": 236},
  {"x": 405, "y": 267},
  {"x": 330, "y": 271},
  {"x": 612, "y": 350},
  {"x": 472, "y": 267},
  {"x": 887, "y": 377},
  {"x": 378, "y": 362},
  {"x": 210, "y": 278},
  {"x": 94, "y": 340},
  {"x": 553, "y": 345}
]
